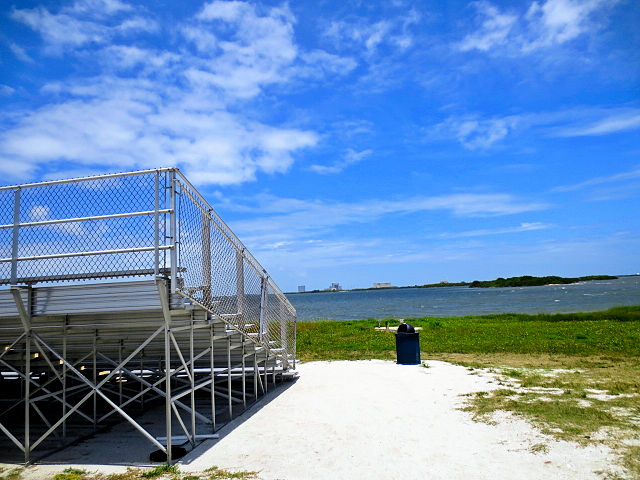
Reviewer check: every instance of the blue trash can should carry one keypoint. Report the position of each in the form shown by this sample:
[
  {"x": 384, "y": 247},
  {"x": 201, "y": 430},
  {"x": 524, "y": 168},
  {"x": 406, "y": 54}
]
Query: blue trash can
[{"x": 407, "y": 345}]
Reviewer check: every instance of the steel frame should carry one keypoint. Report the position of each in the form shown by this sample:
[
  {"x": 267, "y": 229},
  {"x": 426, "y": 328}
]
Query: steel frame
[{"x": 71, "y": 373}]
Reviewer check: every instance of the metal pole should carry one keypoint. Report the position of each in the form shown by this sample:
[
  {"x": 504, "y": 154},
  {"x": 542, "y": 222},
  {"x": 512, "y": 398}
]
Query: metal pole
[
  {"x": 64, "y": 377},
  {"x": 174, "y": 240},
  {"x": 240, "y": 288},
  {"x": 284, "y": 343},
  {"x": 206, "y": 259},
  {"x": 120, "y": 373},
  {"x": 193, "y": 392},
  {"x": 213, "y": 381},
  {"x": 167, "y": 385},
  {"x": 95, "y": 382},
  {"x": 27, "y": 392},
  {"x": 16, "y": 227},
  {"x": 229, "y": 376},
  {"x": 266, "y": 383},
  {"x": 255, "y": 375},
  {"x": 141, "y": 376},
  {"x": 244, "y": 379},
  {"x": 156, "y": 224},
  {"x": 263, "y": 310}
]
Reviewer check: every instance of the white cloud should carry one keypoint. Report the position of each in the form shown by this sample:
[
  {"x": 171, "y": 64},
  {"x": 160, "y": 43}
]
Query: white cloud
[
  {"x": 40, "y": 213},
  {"x": 61, "y": 30},
  {"x": 286, "y": 233},
  {"x": 255, "y": 49},
  {"x": 494, "y": 30},
  {"x": 326, "y": 62},
  {"x": 545, "y": 24},
  {"x": 618, "y": 177},
  {"x": 558, "y": 21},
  {"x": 80, "y": 24},
  {"x": 618, "y": 122},
  {"x": 523, "y": 227},
  {"x": 184, "y": 106},
  {"x": 20, "y": 53},
  {"x": 360, "y": 33},
  {"x": 286, "y": 219},
  {"x": 6, "y": 90},
  {"x": 475, "y": 133},
  {"x": 349, "y": 158},
  {"x": 126, "y": 126},
  {"x": 99, "y": 7}
]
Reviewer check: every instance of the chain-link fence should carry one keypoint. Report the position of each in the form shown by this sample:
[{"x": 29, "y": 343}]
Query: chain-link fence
[{"x": 144, "y": 223}]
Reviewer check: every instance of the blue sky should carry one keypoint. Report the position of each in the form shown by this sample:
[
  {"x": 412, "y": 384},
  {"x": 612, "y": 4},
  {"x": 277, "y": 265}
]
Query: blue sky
[{"x": 350, "y": 141}]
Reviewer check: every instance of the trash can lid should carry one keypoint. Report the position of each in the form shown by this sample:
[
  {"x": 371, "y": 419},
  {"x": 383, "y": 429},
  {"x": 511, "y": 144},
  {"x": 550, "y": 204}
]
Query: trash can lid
[{"x": 406, "y": 328}]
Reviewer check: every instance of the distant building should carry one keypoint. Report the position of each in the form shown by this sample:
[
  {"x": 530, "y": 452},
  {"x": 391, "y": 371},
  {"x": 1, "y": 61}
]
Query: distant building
[
  {"x": 335, "y": 286},
  {"x": 301, "y": 289},
  {"x": 382, "y": 285}
]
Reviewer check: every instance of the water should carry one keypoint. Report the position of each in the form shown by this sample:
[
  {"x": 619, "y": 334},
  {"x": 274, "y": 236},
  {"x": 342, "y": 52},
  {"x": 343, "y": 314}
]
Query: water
[{"x": 457, "y": 301}]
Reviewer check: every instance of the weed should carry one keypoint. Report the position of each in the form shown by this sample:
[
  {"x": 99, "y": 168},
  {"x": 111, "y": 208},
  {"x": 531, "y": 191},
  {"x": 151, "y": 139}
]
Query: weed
[
  {"x": 130, "y": 474},
  {"x": 215, "y": 473},
  {"x": 540, "y": 448},
  {"x": 71, "y": 474},
  {"x": 160, "y": 470},
  {"x": 14, "y": 474}
]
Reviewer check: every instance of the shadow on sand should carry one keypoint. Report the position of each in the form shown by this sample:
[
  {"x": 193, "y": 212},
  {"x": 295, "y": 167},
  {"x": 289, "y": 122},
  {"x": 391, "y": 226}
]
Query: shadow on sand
[{"x": 122, "y": 445}]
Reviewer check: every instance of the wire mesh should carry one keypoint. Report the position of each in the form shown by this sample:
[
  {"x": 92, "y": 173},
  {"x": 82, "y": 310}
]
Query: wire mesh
[
  {"x": 218, "y": 272},
  {"x": 122, "y": 225}
]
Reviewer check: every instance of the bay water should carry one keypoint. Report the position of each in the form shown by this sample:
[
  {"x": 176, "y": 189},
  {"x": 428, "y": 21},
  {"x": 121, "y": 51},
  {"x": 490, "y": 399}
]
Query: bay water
[{"x": 403, "y": 303}]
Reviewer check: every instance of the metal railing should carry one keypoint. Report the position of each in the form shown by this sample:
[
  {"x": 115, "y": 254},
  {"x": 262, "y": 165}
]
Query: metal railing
[{"x": 144, "y": 223}]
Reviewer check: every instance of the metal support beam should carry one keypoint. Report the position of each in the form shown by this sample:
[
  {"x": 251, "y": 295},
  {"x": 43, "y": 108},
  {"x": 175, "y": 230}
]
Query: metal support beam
[{"x": 164, "y": 301}]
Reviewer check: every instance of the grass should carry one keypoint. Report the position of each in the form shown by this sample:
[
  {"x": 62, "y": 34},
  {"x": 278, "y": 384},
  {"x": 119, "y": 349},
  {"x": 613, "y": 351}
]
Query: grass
[
  {"x": 613, "y": 332},
  {"x": 574, "y": 376},
  {"x": 71, "y": 474},
  {"x": 161, "y": 472},
  {"x": 12, "y": 474}
]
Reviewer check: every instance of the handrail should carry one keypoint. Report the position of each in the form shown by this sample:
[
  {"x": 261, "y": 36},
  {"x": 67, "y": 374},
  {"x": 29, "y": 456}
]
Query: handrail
[{"x": 88, "y": 178}]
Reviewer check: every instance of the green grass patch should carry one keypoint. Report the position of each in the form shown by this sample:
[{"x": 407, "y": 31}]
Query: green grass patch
[
  {"x": 215, "y": 473},
  {"x": 590, "y": 399},
  {"x": 161, "y": 470},
  {"x": 614, "y": 332},
  {"x": 71, "y": 474},
  {"x": 12, "y": 474}
]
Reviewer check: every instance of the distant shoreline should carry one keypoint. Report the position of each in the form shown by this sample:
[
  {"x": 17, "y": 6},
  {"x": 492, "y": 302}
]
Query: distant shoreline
[{"x": 522, "y": 281}]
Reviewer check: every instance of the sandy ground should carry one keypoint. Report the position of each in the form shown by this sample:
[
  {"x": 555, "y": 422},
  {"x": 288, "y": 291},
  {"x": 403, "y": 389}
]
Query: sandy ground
[{"x": 376, "y": 420}]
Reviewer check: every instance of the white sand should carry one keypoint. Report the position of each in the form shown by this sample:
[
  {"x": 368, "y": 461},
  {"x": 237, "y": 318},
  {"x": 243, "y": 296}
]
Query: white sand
[
  {"x": 378, "y": 420},
  {"x": 373, "y": 420}
]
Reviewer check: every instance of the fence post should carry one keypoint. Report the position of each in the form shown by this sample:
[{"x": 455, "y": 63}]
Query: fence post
[
  {"x": 284, "y": 340},
  {"x": 206, "y": 259},
  {"x": 173, "y": 231},
  {"x": 264, "y": 296},
  {"x": 156, "y": 224},
  {"x": 16, "y": 227},
  {"x": 240, "y": 287}
]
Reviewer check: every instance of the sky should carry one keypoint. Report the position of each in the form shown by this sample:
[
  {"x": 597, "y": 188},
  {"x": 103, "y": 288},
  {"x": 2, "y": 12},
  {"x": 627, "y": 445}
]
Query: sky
[{"x": 350, "y": 141}]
